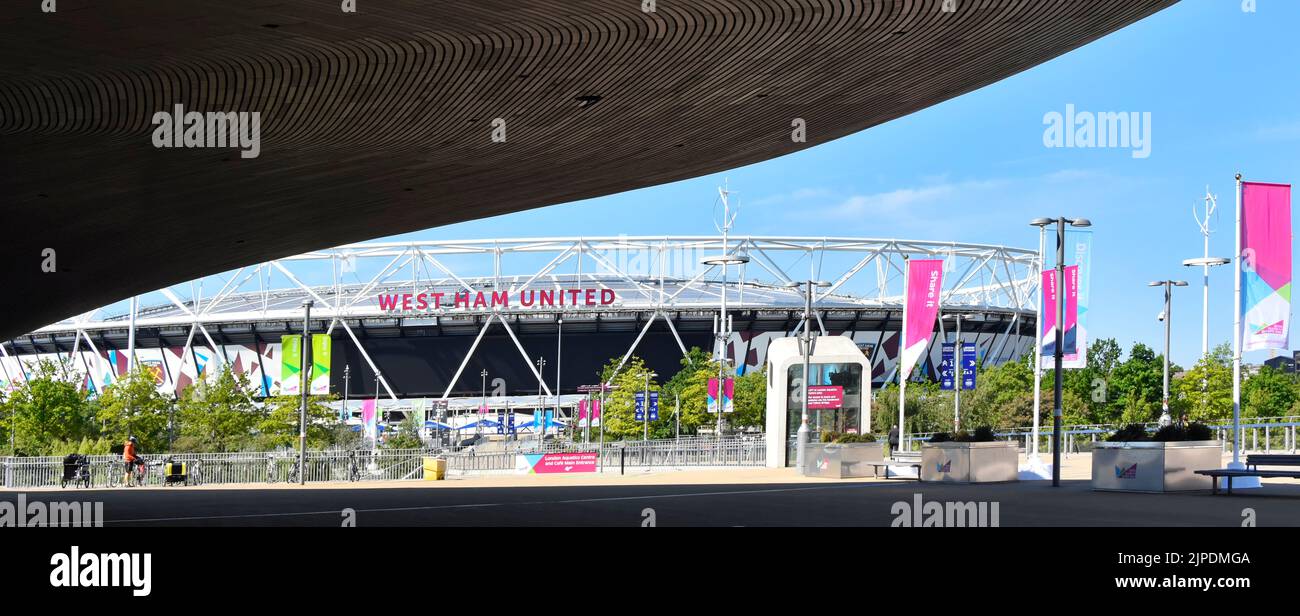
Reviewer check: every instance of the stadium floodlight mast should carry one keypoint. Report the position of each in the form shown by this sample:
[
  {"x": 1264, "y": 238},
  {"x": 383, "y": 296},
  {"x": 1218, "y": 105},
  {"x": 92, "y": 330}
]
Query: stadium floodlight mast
[
  {"x": 1167, "y": 316},
  {"x": 304, "y": 363},
  {"x": 1058, "y": 351},
  {"x": 805, "y": 349}
]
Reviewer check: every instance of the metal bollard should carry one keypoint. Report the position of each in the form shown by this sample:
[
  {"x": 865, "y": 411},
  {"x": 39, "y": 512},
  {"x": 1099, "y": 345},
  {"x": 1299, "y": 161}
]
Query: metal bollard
[{"x": 622, "y": 460}]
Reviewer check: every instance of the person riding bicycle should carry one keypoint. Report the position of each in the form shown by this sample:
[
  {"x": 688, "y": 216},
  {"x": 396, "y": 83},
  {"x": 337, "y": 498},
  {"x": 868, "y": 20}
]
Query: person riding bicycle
[{"x": 130, "y": 455}]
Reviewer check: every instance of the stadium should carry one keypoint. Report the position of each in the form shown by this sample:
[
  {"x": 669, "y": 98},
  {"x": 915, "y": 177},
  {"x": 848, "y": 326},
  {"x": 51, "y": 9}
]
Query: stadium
[{"x": 460, "y": 319}]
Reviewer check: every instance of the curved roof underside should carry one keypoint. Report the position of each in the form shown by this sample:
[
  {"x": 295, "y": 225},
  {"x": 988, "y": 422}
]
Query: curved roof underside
[{"x": 380, "y": 122}]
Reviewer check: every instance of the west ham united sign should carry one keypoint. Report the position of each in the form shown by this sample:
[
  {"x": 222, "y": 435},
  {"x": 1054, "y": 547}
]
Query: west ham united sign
[{"x": 431, "y": 301}]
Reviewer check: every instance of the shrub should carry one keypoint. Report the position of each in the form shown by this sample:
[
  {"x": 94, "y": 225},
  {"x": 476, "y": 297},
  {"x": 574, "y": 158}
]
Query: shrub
[
  {"x": 940, "y": 437},
  {"x": 1199, "y": 432},
  {"x": 1170, "y": 433},
  {"x": 983, "y": 434},
  {"x": 1131, "y": 433}
]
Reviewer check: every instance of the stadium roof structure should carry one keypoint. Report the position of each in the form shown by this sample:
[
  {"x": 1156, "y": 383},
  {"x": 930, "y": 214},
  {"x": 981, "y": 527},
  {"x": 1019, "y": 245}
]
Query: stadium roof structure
[
  {"x": 647, "y": 276},
  {"x": 409, "y": 114}
]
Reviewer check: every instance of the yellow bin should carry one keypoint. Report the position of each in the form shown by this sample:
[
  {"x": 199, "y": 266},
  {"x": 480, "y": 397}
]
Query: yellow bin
[{"x": 435, "y": 469}]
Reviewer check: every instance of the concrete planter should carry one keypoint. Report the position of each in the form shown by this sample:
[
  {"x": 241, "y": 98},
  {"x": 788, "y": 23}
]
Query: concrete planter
[
  {"x": 839, "y": 460},
  {"x": 1153, "y": 467},
  {"x": 987, "y": 462}
]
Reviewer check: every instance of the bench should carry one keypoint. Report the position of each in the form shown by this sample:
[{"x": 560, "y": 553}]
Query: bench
[
  {"x": 886, "y": 464},
  {"x": 1253, "y": 462}
]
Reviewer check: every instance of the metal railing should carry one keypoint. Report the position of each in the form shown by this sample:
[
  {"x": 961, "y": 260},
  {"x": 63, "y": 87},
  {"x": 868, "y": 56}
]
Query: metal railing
[
  {"x": 385, "y": 464},
  {"x": 1260, "y": 435}
]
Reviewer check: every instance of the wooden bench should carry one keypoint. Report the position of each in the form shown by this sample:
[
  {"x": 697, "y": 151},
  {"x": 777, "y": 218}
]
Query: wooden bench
[{"x": 1253, "y": 462}]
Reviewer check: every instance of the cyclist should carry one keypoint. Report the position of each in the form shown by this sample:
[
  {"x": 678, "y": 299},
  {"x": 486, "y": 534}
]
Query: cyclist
[{"x": 130, "y": 455}]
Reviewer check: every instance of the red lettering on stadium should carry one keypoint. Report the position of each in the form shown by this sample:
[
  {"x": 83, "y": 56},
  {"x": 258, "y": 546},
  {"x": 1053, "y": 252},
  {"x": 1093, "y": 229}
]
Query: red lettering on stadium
[{"x": 480, "y": 300}]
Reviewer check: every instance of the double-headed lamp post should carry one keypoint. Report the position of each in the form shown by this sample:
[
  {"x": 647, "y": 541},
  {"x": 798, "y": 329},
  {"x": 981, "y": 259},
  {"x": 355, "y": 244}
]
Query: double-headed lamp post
[
  {"x": 805, "y": 349},
  {"x": 1058, "y": 351},
  {"x": 304, "y": 363},
  {"x": 1167, "y": 317},
  {"x": 1206, "y": 263},
  {"x": 723, "y": 330}
]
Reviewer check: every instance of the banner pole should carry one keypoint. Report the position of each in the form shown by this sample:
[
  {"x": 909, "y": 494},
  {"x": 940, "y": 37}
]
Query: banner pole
[
  {"x": 1236, "y": 339},
  {"x": 902, "y": 347},
  {"x": 1038, "y": 342}
]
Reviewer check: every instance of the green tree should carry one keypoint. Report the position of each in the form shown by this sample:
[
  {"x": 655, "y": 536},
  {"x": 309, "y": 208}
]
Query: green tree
[
  {"x": 132, "y": 406},
  {"x": 50, "y": 408},
  {"x": 406, "y": 436},
  {"x": 217, "y": 414},
  {"x": 278, "y": 426},
  {"x": 1135, "y": 387},
  {"x": 1206, "y": 389},
  {"x": 751, "y": 400},
  {"x": 1268, "y": 393},
  {"x": 619, "y": 416}
]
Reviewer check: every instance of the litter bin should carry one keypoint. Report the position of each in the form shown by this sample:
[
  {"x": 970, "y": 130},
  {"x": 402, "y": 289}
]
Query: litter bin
[{"x": 435, "y": 469}]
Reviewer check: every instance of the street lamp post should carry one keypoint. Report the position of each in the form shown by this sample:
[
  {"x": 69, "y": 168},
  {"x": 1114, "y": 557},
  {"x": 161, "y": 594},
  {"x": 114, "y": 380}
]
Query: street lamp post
[
  {"x": 1059, "y": 350},
  {"x": 347, "y": 378},
  {"x": 805, "y": 349},
  {"x": 541, "y": 412},
  {"x": 958, "y": 372},
  {"x": 482, "y": 402},
  {"x": 559, "y": 363},
  {"x": 1167, "y": 317},
  {"x": 1206, "y": 262},
  {"x": 645, "y": 406},
  {"x": 305, "y": 369}
]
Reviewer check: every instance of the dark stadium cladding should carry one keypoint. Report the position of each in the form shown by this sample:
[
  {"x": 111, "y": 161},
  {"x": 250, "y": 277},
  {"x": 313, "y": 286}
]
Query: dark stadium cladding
[{"x": 423, "y": 302}]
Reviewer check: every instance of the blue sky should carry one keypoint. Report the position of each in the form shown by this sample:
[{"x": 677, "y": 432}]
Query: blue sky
[{"x": 1221, "y": 85}]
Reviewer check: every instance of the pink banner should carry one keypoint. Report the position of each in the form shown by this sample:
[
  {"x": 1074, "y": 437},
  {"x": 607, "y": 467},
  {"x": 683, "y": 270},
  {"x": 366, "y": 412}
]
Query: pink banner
[
  {"x": 595, "y": 409},
  {"x": 370, "y": 428},
  {"x": 582, "y": 409},
  {"x": 367, "y": 411},
  {"x": 1048, "y": 329},
  {"x": 920, "y": 308},
  {"x": 1265, "y": 265},
  {"x": 825, "y": 397}
]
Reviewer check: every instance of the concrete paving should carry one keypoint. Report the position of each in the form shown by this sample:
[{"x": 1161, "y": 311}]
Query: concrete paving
[{"x": 706, "y": 497}]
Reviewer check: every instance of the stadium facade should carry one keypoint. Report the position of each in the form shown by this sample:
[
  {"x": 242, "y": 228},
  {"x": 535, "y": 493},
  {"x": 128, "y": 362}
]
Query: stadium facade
[{"x": 427, "y": 318}]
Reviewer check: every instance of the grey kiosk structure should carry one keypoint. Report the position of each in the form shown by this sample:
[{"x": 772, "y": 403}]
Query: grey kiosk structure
[{"x": 836, "y": 360}]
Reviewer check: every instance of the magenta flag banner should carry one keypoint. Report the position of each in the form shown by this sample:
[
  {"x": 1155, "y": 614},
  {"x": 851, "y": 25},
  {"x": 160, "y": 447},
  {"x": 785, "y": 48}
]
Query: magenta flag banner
[
  {"x": 582, "y": 409},
  {"x": 1265, "y": 265},
  {"x": 369, "y": 425},
  {"x": 1051, "y": 293},
  {"x": 595, "y": 409},
  {"x": 920, "y": 309}
]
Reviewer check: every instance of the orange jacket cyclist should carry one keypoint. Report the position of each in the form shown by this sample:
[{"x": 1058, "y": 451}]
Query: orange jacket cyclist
[{"x": 129, "y": 455}]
